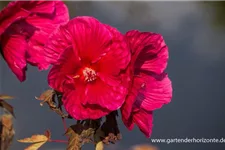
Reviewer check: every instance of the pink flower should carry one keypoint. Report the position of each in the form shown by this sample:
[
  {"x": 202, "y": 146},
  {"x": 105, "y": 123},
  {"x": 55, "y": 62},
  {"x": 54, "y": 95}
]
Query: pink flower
[
  {"x": 24, "y": 29},
  {"x": 150, "y": 88},
  {"x": 89, "y": 61}
]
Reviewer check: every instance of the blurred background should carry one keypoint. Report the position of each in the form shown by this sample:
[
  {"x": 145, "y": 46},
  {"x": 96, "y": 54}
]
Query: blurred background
[{"x": 195, "y": 35}]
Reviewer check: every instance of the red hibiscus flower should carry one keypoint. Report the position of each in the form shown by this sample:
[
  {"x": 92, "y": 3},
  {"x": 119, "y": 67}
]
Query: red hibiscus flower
[
  {"x": 89, "y": 61},
  {"x": 24, "y": 29},
  {"x": 150, "y": 88}
]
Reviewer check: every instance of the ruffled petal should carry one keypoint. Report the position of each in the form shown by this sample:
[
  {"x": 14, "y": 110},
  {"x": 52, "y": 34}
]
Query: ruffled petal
[
  {"x": 61, "y": 13},
  {"x": 150, "y": 53},
  {"x": 14, "y": 51},
  {"x": 72, "y": 101},
  {"x": 11, "y": 13},
  {"x": 90, "y": 38},
  {"x": 144, "y": 120},
  {"x": 109, "y": 79},
  {"x": 58, "y": 41},
  {"x": 126, "y": 109},
  {"x": 21, "y": 9},
  {"x": 156, "y": 91},
  {"x": 45, "y": 25},
  {"x": 61, "y": 76},
  {"x": 150, "y": 88},
  {"x": 41, "y": 7},
  {"x": 106, "y": 96},
  {"x": 118, "y": 57}
]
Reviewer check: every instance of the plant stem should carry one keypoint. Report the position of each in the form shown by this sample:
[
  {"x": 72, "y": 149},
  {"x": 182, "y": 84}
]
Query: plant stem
[{"x": 64, "y": 124}]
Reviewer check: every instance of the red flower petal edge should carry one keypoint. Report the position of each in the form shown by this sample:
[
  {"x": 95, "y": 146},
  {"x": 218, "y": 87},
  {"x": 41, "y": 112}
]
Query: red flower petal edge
[
  {"x": 151, "y": 88},
  {"x": 28, "y": 23}
]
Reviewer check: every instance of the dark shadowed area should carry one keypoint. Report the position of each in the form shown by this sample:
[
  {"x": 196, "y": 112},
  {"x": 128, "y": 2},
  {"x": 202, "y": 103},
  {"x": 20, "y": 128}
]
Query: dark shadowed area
[{"x": 195, "y": 36}]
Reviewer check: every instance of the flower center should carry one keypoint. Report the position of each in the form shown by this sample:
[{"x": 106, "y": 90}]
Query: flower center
[{"x": 89, "y": 74}]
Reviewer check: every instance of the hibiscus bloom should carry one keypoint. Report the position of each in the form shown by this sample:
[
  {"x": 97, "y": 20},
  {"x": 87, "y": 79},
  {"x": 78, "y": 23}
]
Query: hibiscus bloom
[
  {"x": 89, "y": 61},
  {"x": 150, "y": 88},
  {"x": 24, "y": 29}
]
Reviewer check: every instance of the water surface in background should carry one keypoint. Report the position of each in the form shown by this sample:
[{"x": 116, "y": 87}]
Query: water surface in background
[{"x": 196, "y": 68}]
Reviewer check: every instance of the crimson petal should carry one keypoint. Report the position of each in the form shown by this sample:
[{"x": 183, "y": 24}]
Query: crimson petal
[
  {"x": 61, "y": 74},
  {"x": 144, "y": 120},
  {"x": 14, "y": 50},
  {"x": 72, "y": 101},
  {"x": 150, "y": 52},
  {"x": 10, "y": 14},
  {"x": 42, "y": 7},
  {"x": 58, "y": 41},
  {"x": 90, "y": 38},
  {"x": 156, "y": 91},
  {"x": 45, "y": 25},
  {"x": 106, "y": 96}
]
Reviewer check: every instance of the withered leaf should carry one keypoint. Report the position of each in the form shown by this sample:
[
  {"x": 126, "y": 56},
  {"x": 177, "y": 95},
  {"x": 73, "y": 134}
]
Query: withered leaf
[
  {"x": 7, "y": 131},
  {"x": 5, "y": 97},
  {"x": 7, "y": 107},
  {"x": 49, "y": 98},
  {"x": 46, "y": 97},
  {"x": 74, "y": 139},
  {"x": 37, "y": 140},
  {"x": 86, "y": 135},
  {"x": 6, "y": 121},
  {"x": 78, "y": 135}
]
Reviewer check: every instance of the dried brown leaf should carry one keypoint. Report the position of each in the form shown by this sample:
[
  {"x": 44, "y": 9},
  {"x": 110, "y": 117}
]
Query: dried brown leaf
[
  {"x": 37, "y": 140},
  {"x": 49, "y": 98},
  {"x": 78, "y": 135},
  {"x": 6, "y": 121},
  {"x": 5, "y": 97},
  {"x": 74, "y": 139},
  {"x": 86, "y": 135},
  {"x": 35, "y": 146},
  {"x": 7, "y": 131},
  {"x": 7, "y": 107},
  {"x": 46, "y": 97}
]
